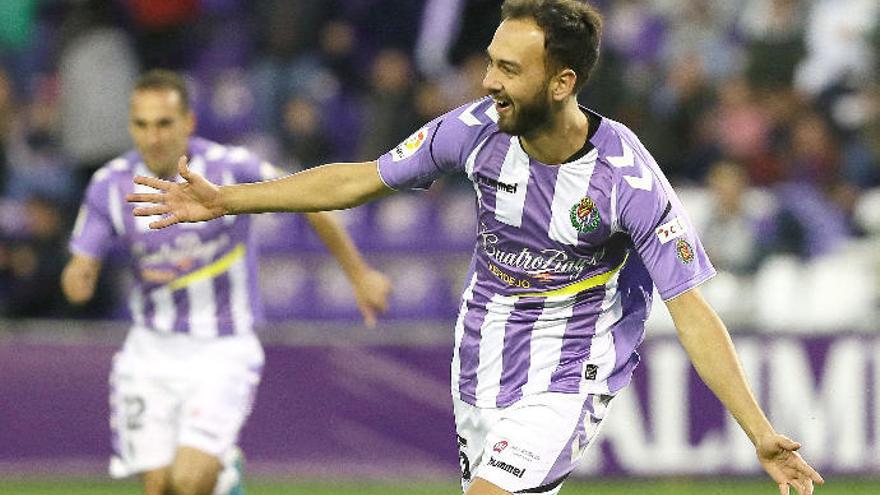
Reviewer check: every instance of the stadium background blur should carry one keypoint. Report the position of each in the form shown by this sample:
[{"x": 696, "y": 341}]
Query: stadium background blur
[{"x": 765, "y": 115}]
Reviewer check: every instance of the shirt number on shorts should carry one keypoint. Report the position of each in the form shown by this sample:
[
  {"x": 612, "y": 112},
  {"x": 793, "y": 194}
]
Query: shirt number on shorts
[
  {"x": 465, "y": 465},
  {"x": 134, "y": 412},
  {"x": 463, "y": 460}
]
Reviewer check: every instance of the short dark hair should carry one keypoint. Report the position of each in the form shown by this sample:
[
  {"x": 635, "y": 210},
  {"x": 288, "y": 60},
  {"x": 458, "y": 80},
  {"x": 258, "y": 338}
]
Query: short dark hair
[
  {"x": 163, "y": 79},
  {"x": 572, "y": 31}
]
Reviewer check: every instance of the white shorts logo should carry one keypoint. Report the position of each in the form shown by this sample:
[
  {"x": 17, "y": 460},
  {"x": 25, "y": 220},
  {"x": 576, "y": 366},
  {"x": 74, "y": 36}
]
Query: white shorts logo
[
  {"x": 670, "y": 230},
  {"x": 409, "y": 147}
]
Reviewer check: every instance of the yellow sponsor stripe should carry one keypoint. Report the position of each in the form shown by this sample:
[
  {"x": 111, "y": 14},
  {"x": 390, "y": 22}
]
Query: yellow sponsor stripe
[
  {"x": 210, "y": 271},
  {"x": 577, "y": 287}
]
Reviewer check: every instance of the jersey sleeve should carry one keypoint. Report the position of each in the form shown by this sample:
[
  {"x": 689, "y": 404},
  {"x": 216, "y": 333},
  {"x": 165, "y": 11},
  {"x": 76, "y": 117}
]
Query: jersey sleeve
[
  {"x": 440, "y": 147},
  {"x": 93, "y": 232},
  {"x": 663, "y": 235}
]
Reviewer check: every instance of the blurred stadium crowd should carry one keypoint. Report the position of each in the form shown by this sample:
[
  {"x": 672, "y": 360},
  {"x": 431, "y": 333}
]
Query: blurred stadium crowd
[{"x": 765, "y": 114}]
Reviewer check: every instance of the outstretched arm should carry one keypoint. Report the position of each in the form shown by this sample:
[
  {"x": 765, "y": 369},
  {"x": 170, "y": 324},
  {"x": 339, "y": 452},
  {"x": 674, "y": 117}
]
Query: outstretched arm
[
  {"x": 711, "y": 351},
  {"x": 330, "y": 187},
  {"x": 370, "y": 286}
]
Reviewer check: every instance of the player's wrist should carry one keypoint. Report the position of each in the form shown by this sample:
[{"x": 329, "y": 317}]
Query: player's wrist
[
  {"x": 763, "y": 436},
  {"x": 357, "y": 273},
  {"x": 225, "y": 202}
]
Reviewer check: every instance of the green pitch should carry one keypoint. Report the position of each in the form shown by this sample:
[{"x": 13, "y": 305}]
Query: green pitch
[{"x": 619, "y": 487}]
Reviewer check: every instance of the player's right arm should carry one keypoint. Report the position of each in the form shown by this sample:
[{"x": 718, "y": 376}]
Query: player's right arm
[
  {"x": 79, "y": 278},
  {"x": 93, "y": 234},
  {"x": 440, "y": 147},
  {"x": 329, "y": 187},
  {"x": 336, "y": 186}
]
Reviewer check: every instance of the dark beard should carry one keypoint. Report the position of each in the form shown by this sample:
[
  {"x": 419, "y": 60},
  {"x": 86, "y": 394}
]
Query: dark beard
[{"x": 529, "y": 116}]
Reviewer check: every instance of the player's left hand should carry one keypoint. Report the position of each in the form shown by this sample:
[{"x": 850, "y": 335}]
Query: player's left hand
[
  {"x": 371, "y": 294},
  {"x": 779, "y": 457}
]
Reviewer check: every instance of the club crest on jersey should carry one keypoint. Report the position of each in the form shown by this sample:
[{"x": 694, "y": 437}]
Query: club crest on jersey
[
  {"x": 684, "y": 251},
  {"x": 409, "y": 147},
  {"x": 584, "y": 215},
  {"x": 499, "y": 446}
]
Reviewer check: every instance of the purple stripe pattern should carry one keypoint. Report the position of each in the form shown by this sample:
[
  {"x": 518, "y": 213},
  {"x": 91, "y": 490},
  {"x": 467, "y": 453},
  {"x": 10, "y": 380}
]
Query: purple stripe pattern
[
  {"x": 563, "y": 465},
  {"x": 516, "y": 358},
  {"x": 579, "y": 332},
  {"x": 224, "y": 308},
  {"x": 469, "y": 349},
  {"x": 149, "y": 308},
  {"x": 630, "y": 330},
  {"x": 181, "y": 306}
]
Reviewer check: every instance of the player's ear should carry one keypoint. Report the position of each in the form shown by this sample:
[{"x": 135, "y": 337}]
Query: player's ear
[
  {"x": 563, "y": 84},
  {"x": 191, "y": 120}
]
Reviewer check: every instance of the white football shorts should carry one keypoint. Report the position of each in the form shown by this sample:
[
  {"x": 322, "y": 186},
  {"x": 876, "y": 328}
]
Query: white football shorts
[
  {"x": 531, "y": 446},
  {"x": 174, "y": 390}
]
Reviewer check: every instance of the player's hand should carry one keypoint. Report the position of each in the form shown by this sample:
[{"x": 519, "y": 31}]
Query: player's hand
[
  {"x": 195, "y": 200},
  {"x": 779, "y": 457},
  {"x": 371, "y": 294}
]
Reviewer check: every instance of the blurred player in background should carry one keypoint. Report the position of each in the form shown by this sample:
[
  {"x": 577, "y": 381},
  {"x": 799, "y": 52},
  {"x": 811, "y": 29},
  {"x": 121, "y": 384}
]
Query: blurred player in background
[
  {"x": 184, "y": 382},
  {"x": 576, "y": 220}
]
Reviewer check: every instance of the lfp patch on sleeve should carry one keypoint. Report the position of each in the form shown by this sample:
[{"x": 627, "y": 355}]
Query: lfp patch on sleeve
[
  {"x": 412, "y": 144},
  {"x": 670, "y": 230}
]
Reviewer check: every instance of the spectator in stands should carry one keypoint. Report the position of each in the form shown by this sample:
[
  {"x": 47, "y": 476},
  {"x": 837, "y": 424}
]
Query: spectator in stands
[
  {"x": 636, "y": 34},
  {"x": 304, "y": 143},
  {"x": 814, "y": 153},
  {"x": 35, "y": 162},
  {"x": 838, "y": 40},
  {"x": 388, "y": 105},
  {"x": 96, "y": 66},
  {"x": 286, "y": 60},
  {"x": 339, "y": 54},
  {"x": 813, "y": 212},
  {"x": 7, "y": 111},
  {"x": 683, "y": 103},
  {"x": 705, "y": 30},
  {"x": 730, "y": 232},
  {"x": 741, "y": 126},
  {"x": 163, "y": 29},
  {"x": 32, "y": 263},
  {"x": 774, "y": 40},
  {"x": 17, "y": 39}
]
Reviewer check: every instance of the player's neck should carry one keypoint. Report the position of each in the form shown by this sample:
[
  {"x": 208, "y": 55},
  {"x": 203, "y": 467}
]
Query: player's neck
[
  {"x": 163, "y": 171},
  {"x": 562, "y": 137}
]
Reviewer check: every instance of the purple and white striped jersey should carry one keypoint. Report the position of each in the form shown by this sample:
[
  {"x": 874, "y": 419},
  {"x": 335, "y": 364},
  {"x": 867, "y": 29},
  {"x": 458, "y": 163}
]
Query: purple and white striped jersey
[
  {"x": 197, "y": 279},
  {"x": 561, "y": 277}
]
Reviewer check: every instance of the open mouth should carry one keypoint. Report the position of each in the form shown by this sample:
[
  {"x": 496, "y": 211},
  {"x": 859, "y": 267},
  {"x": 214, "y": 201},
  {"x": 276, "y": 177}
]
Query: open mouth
[{"x": 501, "y": 104}]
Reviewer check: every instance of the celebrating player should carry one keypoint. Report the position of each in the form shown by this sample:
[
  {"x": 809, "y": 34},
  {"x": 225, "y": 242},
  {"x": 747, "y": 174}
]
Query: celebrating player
[
  {"x": 576, "y": 222},
  {"x": 184, "y": 382}
]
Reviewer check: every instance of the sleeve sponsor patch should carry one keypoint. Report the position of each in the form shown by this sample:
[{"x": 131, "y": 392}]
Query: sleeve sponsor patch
[
  {"x": 670, "y": 230},
  {"x": 412, "y": 144}
]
